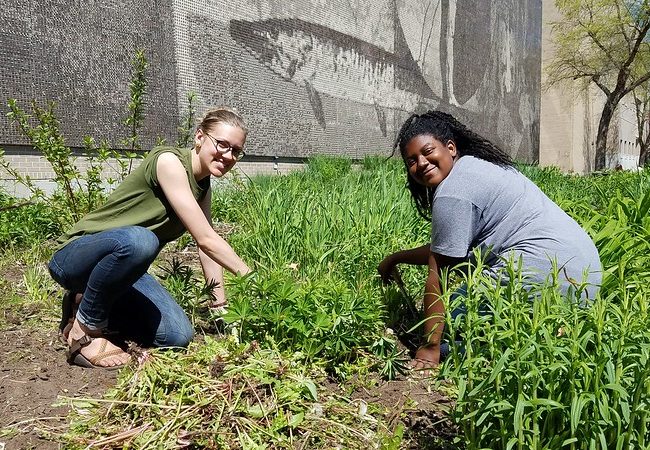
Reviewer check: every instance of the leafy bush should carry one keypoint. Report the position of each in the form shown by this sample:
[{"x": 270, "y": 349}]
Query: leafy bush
[
  {"x": 316, "y": 251},
  {"x": 77, "y": 192},
  {"x": 323, "y": 318},
  {"x": 25, "y": 223}
]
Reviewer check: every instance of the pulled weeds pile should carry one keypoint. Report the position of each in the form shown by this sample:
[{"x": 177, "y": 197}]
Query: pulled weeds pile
[{"x": 221, "y": 394}]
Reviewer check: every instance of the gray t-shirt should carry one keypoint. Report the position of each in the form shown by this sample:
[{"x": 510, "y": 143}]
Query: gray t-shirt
[{"x": 506, "y": 215}]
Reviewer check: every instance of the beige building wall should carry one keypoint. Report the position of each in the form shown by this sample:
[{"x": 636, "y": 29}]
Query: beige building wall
[
  {"x": 569, "y": 118},
  {"x": 624, "y": 142}
]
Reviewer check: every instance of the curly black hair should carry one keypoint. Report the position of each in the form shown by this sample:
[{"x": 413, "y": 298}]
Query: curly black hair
[{"x": 444, "y": 127}]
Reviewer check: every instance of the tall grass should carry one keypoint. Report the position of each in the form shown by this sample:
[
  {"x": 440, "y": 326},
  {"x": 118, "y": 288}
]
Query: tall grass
[
  {"x": 555, "y": 372},
  {"x": 316, "y": 238}
]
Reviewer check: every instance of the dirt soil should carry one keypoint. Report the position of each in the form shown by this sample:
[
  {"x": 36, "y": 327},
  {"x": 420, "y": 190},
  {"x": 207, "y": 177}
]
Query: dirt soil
[
  {"x": 415, "y": 404},
  {"x": 35, "y": 381},
  {"x": 34, "y": 377}
]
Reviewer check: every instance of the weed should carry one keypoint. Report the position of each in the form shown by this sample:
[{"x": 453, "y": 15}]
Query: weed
[
  {"x": 186, "y": 128},
  {"x": 553, "y": 373},
  {"x": 224, "y": 395},
  {"x": 138, "y": 90}
]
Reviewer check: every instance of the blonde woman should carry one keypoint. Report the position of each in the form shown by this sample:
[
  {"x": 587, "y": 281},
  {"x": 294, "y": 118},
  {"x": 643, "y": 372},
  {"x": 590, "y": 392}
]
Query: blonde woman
[{"x": 103, "y": 260}]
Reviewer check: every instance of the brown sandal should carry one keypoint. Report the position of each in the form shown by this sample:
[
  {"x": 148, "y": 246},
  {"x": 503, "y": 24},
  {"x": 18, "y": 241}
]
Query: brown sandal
[{"x": 75, "y": 357}]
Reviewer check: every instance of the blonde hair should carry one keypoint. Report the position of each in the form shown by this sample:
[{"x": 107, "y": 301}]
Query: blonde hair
[{"x": 222, "y": 114}]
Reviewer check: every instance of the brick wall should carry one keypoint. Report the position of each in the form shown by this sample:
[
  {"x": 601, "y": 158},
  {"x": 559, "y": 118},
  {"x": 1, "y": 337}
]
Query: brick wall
[{"x": 310, "y": 77}]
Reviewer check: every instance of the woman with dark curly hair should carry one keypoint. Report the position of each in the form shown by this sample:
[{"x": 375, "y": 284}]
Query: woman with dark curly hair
[{"x": 475, "y": 198}]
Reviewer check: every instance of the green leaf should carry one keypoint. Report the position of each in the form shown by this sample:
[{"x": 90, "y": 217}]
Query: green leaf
[{"x": 296, "y": 419}]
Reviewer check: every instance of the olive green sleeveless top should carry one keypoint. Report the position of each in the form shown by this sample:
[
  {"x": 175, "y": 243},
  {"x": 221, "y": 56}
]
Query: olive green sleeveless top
[{"x": 139, "y": 200}]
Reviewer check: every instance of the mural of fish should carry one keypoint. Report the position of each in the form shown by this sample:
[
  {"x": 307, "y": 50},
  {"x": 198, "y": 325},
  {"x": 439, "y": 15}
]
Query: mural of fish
[{"x": 329, "y": 62}]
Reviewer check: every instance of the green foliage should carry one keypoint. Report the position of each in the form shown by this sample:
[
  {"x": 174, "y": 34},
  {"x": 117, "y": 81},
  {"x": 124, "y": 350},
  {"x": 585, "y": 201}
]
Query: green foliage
[
  {"x": 551, "y": 373},
  {"x": 191, "y": 292},
  {"x": 24, "y": 223},
  {"x": 46, "y": 138},
  {"x": 374, "y": 162},
  {"x": 315, "y": 247},
  {"x": 595, "y": 39},
  {"x": 603, "y": 42},
  {"x": 323, "y": 318},
  {"x": 316, "y": 251},
  {"x": 186, "y": 128},
  {"x": 555, "y": 372},
  {"x": 28, "y": 294},
  {"x": 138, "y": 90},
  {"x": 76, "y": 192},
  {"x": 329, "y": 167}
]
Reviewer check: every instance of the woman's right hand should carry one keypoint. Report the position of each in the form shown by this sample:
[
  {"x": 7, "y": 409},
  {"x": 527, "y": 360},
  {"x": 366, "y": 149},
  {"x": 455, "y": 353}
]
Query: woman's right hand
[{"x": 387, "y": 270}]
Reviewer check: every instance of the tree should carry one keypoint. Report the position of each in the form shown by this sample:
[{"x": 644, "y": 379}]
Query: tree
[{"x": 603, "y": 42}]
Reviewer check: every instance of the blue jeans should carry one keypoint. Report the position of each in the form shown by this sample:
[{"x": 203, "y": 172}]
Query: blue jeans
[{"x": 110, "y": 270}]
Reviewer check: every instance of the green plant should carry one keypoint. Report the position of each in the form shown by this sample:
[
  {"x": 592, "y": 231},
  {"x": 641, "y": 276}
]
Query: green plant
[
  {"x": 25, "y": 222},
  {"x": 192, "y": 293},
  {"x": 534, "y": 374},
  {"x": 545, "y": 370},
  {"x": 47, "y": 139},
  {"x": 138, "y": 90},
  {"x": 77, "y": 192},
  {"x": 316, "y": 251},
  {"x": 186, "y": 127},
  {"x": 329, "y": 167},
  {"x": 38, "y": 284},
  {"x": 28, "y": 294},
  {"x": 323, "y": 319},
  {"x": 603, "y": 43}
]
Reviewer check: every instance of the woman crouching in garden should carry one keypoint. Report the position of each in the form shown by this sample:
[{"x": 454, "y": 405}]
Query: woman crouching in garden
[
  {"x": 103, "y": 260},
  {"x": 475, "y": 198}
]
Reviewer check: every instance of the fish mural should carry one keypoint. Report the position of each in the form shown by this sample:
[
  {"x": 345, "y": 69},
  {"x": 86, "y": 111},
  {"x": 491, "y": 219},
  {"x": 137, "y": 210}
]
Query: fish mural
[
  {"x": 329, "y": 62},
  {"x": 477, "y": 60}
]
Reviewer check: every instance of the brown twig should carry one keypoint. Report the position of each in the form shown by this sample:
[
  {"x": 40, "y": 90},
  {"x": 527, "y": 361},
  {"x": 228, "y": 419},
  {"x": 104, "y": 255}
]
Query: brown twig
[{"x": 15, "y": 205}]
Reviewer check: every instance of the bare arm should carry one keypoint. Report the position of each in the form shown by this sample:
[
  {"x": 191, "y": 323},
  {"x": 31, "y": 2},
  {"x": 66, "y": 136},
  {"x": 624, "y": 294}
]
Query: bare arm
[
  {"x": 434, "y": 308},
  {"x": 388, "y": 266},
  {"x": 173, "y": 181},
  {"x": 418, "y": 256},
  {"x": 212, "y": 271}
]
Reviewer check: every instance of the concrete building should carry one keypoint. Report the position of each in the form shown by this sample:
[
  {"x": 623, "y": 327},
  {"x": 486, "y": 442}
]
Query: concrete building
[
  {"x": 310, "y": 77},
  {"x": 569, "y": 118}
]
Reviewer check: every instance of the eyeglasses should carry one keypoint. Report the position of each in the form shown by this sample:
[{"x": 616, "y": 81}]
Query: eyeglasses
[{"x": 224, "y": 147}]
